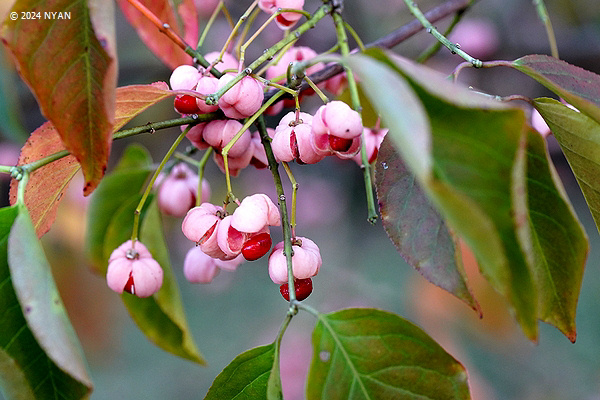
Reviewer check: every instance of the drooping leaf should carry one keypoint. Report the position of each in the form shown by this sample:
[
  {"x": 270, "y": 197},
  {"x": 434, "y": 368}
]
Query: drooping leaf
[
  {"x": 576, "y": 85},
  {"x": 37, "y": 339},
  {"x": 400, "y": 110},
  {"x": 476, "y": 178},
  {"x": 182, "y": 17},
  {"x": 560, "y": 243},
  {"x": 69, "y": 62},
  {"x": 246, "y": 376},
  {"x": 416, "y": 228},
  {"x": 579, "y": 139},
  {"x": 161, "y": 317},
  {"x": 372, "y": 354},
  {"x": 126, "y": 182},
  {"x": 48, "y": 184}
]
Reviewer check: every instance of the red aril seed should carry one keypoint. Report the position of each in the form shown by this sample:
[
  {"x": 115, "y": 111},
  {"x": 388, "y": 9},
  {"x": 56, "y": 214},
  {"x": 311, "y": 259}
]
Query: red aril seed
[
  {"x": 257, "y": 246},
  {"x": 294, "y": 145},
  {"x": 339, "y": 144},
  {"x": 129, "y": 287},
  {"x": 186, "y": 104},
  {"x": 303, "y": 288}
]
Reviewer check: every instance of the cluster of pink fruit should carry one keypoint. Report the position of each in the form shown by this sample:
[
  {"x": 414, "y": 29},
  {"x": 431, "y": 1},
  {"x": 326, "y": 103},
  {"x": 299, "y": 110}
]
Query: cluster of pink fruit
[{"x": 225, "y": 240}]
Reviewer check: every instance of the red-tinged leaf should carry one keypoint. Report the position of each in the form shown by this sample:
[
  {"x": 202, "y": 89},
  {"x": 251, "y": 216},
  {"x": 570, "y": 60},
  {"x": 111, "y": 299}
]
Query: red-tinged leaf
[
  {"x": 132, "y": 100},
  {"x": 415, "y": 226},
  {"x": 47, "y": 184},
  {"x": 182, "y": 17},
  {"x": 70, "y": 65},
  {"x": 576, "y": 85},
  {"x": 475, "y": 175},
  {"x": 560, "y": 244}
]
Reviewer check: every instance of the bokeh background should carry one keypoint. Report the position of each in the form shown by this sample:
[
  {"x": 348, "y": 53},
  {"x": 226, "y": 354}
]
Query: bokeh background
[{"x": 243, "y": 309}]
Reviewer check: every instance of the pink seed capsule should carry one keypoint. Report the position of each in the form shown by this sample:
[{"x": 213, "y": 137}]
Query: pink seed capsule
[
  {"x": 132, "y": 269},
  {"x": 243, "y": 99},
  {"x": 306, "y": 261}
]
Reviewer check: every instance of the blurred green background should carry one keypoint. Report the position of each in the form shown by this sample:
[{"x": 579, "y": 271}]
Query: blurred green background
[{"x": 243, "y": 309}]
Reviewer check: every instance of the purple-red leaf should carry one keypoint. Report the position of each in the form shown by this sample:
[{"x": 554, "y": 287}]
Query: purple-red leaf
[
  {"x": 181, "y": 16},
  {"x": 415, "y": 226},
  {"x": 68, "y": 59},
  {"x": 47, "y": 184},
  {"x": 576, "y": 85}
]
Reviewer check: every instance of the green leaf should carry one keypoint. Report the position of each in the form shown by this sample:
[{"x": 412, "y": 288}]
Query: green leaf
[
  {"x": 40, "y": 356},
  {"x": 372, "y": 354},
  {"x": 579, "y": 139},
  {"x": 476, "y": 173},
  {"x": 560, "y": 243},
  {"x": 416, "y": 228},
  {"x": 400, "y": 110},
  {"x": 246, "y": 376},
  {"x": 576, "y": 85},
  {"x": 73, "y": 75},
  {"x": 127, "y": 181},
  {"x": 161, "y": 317}
]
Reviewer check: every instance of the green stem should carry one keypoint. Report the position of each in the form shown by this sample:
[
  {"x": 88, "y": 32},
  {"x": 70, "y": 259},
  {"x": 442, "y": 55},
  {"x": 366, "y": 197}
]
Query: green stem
[
  {"x": 243, "y": 129},
  {"x": 414, "y": 9},
  {"x": 21, "y": 188},
  {"x": 150, "y": 127},
  {"x": 6, "y": 169},
  {"x": 434, "y": 48},
  {"x": 244, "y": 46},
  {"x": 543, "y": 14},
  {"x": 294, "y": 183},
  {"x": 247, "y": 26},
  {"x": 309, "y": 310},
  {"x": 285, "y": 221},
  {"x": 318, "y": 91},
  {"x": 44, "y": 161},
  {"x": 155, "y": 126},
  {"x": 209, "y": 24},
  {"x": 138, "y": 210},
  {"x": 283, "y": 328},
  {"x": 355, "y": 36},
  {"x": 201, "y": 167},
  {"x": 353, "y": 88}
]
